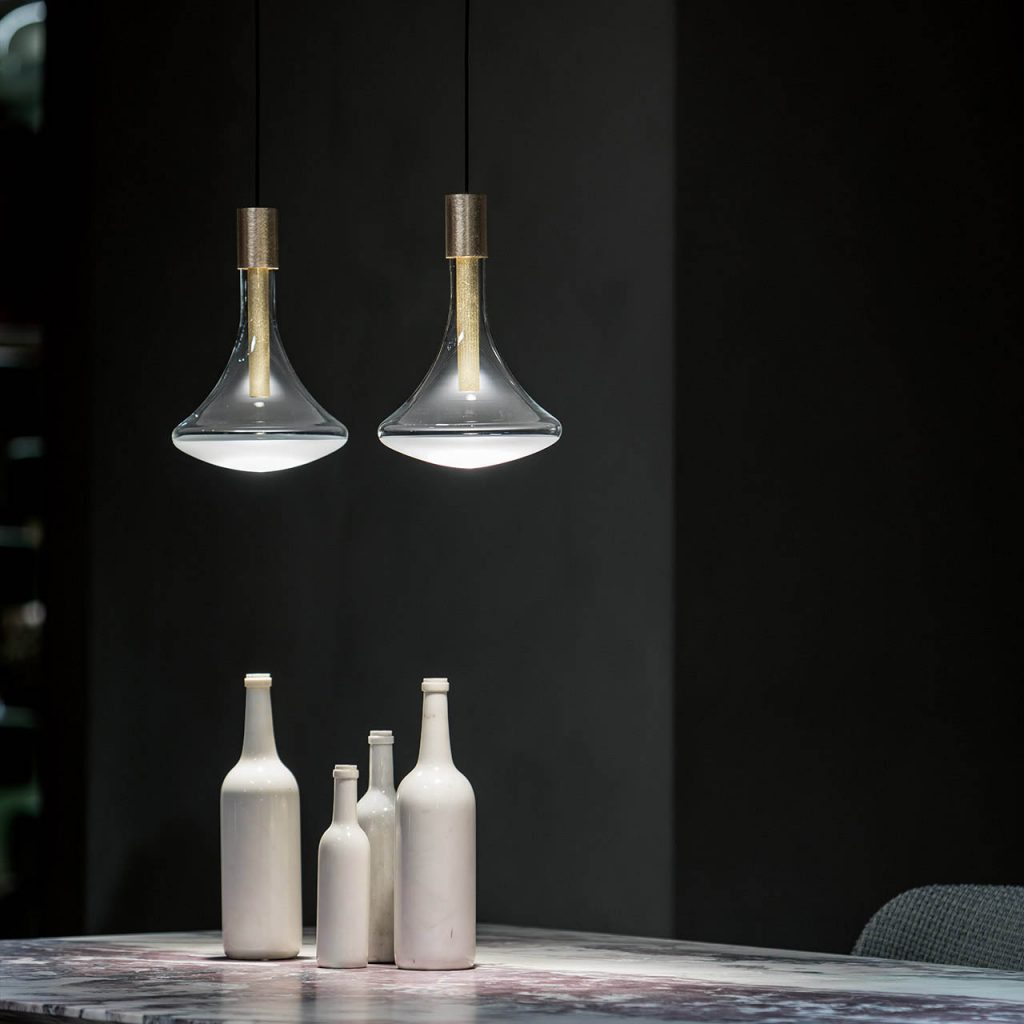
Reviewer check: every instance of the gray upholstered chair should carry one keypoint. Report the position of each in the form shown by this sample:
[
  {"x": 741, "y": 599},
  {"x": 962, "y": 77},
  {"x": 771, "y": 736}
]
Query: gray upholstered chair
[{"x": 970, "y": 925}]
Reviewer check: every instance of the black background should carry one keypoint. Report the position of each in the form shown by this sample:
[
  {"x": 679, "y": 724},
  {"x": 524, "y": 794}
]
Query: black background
[
  {"x": 808, "y": 547},
  {"x": 542, "y": 589},
  {"x": 849, "y": 500}
]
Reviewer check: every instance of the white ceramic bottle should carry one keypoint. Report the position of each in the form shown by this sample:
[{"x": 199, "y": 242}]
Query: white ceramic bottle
[
  {"x": 343, "y": 881},
  {"x": 260, "y": 865},
  {"x": 376, "y": 812},
  {"x": 435, "y": 851}
]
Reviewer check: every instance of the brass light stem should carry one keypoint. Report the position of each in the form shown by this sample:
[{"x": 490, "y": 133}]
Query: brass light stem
[
  {"x": 467, "y": 321},
  {"x": 257, "y": 256},
  {"x": 258, "y": 290},
  {"x": 465, "y": 241}
]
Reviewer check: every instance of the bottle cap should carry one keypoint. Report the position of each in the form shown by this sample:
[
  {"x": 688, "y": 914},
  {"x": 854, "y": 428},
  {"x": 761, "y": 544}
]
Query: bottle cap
[
  {"x": 434, "y": 684},
  {"x": 257, "y": 680},
  {"x": 379, "y": 737},
  {"x": 346, "y": 771},
  {"x": 257, "y": 237},
  {"x": 465, "y": 225}
]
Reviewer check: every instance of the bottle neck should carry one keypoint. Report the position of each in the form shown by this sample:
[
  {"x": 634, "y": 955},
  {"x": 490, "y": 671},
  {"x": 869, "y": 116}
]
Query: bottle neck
[
  {"x": 468, "y": 314},
  {"x": 468, "y": 278},
  {"x": 258, "y": 286},
  {"x": 435, "y": 744},
  {"x": 382, "y": 767},
  {"x": 259, "y": 724},
  {"x": 344, "y": 801}
]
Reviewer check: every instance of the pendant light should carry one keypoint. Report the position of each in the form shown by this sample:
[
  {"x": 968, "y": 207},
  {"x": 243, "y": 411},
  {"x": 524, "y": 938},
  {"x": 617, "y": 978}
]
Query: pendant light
[
  {"x": 258, "y": 418},
  {"x": 469, "y": 411}
]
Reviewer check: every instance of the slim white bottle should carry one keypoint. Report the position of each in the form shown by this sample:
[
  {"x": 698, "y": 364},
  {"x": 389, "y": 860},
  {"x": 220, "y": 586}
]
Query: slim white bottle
[
  {"x": 260, "y": 864},
  {"x": 435, "y": 851},
  {"x": 376, "y": 812},
  {"x": 343, "y": 881}
]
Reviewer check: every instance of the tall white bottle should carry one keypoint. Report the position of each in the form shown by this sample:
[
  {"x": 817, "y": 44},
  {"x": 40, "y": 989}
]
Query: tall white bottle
[
  {"x": 435, "y": 851},
  {"x": 376, "y": 812},
  {"x": 343, "y": 881},
  {"x": 260, "y": 865}
]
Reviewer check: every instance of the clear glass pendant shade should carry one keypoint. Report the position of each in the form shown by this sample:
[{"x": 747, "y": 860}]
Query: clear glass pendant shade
[
  {"x": 259, "y": 418},
  {"x": 469, "y": 411}
]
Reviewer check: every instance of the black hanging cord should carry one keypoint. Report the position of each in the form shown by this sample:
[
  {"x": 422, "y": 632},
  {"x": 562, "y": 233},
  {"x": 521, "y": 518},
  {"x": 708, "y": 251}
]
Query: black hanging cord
[
  {"x": 256, "y": 94},
  {"x": 465, "y": 95}
]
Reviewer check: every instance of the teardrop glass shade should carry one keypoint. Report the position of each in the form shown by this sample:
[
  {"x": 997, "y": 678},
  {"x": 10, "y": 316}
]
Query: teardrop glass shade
[
  {"x": 281, "y": 426},
  {"x": 469, "y": 411}
]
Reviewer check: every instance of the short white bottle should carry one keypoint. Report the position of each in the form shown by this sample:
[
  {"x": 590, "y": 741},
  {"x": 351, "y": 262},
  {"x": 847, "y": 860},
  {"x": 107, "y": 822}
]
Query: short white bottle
[
  {"x": 435, "y": 851},
  {"x": 261, "y": 871},
  {"x": 376, "y": 812},
  {"x": 343, "y": 881}
]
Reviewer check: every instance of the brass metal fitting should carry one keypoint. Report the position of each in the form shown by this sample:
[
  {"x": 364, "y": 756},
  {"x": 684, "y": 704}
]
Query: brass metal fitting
[
  {"x": 465, "y": 225},
  {"x": 257, "y": 238}
]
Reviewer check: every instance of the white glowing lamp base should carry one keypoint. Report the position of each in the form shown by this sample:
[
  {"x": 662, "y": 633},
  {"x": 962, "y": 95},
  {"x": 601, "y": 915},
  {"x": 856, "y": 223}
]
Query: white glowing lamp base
[
  {"x": 258, "y": 455},
  {"x": 468, "y": 451}
]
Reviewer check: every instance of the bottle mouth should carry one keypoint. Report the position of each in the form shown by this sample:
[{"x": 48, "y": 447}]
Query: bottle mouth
[
  {"x": 434, "y": 684},
  {"x": 380, "y": 737},
  {"x": 257, "y": 680},
  {"x": 346, "y": 771}
]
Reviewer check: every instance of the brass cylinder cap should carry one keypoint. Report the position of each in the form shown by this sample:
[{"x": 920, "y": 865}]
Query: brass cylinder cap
[
  {"x": 257, "y": 237},
  {"x": 465, "y": 225}
]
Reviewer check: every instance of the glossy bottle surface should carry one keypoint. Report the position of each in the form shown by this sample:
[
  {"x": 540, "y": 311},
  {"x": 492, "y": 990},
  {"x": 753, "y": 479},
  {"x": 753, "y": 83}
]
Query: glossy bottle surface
[
  {"x": 343, "y": 881},
  {"x": 376, "y": 812},
  {"x": 277, "y": 427},
  {"x": 261, "y": 881},
  {"x": 435, "y": 851},
  {"x": 469, "y": 412}
]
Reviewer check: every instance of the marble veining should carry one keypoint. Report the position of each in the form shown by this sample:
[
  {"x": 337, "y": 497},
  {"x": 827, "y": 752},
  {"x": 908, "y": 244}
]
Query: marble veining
[{"x": 521, "y": 973}]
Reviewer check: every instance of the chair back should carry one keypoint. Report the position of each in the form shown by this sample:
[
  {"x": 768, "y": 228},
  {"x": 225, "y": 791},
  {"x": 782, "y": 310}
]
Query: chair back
[{"x": 969, "y": 925}]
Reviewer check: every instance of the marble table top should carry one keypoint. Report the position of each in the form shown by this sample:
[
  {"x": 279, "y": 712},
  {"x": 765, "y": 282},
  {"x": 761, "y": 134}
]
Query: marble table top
[{"x": 521, "y": 973}]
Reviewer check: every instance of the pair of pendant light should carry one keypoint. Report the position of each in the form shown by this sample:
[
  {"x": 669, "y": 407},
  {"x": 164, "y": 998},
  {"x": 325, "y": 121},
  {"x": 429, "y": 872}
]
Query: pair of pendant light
[{"x": 468, "y": 412}]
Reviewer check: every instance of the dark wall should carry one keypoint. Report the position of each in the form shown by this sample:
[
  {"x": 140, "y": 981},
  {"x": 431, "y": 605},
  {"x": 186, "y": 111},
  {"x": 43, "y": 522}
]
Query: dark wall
[
  {"x": 542, "y": 589},
  {"x": 847, "y": 507},
  {"x": 849, "y": 497}
]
